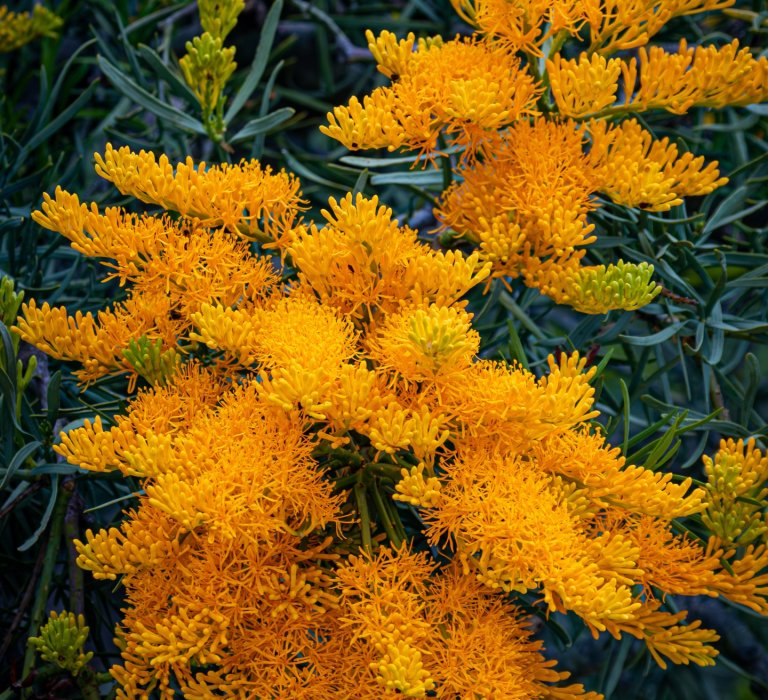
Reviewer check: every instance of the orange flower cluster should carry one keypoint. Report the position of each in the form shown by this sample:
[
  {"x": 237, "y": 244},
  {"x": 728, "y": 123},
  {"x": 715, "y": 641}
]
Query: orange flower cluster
[
  {"x": 301, "y": 442},
  {"x": 538, "y": 148}
]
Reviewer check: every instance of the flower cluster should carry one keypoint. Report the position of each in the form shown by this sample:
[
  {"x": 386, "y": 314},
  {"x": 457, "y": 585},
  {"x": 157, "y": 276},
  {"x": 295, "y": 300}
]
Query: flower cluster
[
  {"x": 538, "y": 149},
  {"x": 61, "y": 641},
  {"x": 339, "y": 499},
  {"x": 19, "y": 28}
]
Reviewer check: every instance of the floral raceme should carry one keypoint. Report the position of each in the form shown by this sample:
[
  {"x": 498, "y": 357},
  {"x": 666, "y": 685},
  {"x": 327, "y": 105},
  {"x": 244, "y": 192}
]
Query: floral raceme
[
  {"x": 533, "y": 152},
  {"x": 339, "y": 498}
]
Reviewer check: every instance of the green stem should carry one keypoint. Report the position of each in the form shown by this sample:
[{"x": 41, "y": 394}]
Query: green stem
[
  {"x": 557, "y": 44},
  {"x": 44, "y": 587},
  {"x": 365, "y": 517},
  {"x": 388, "y": 471},
  {"x": 511, "y": 305},
  {"x": 346, "y": 481},
  {"x": 347, "y": 456},
  {"x": 394, "y": 513},
  {"x": 386, "y": 520}
]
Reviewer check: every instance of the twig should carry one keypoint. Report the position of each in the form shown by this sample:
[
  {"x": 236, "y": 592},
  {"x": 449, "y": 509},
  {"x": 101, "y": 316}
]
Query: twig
[
  {"x": 72, "y": 532},
  {"x": 32, "y": 488}
]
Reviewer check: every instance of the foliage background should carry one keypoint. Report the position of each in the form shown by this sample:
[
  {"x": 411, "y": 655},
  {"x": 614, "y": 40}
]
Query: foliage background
[{"x": 682, "y": 372}]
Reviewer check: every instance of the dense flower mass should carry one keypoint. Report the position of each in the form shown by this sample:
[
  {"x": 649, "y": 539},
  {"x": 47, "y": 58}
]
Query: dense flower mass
[
  {"x": 339, "y": 499},
  {"x": 539, "y": 151}
]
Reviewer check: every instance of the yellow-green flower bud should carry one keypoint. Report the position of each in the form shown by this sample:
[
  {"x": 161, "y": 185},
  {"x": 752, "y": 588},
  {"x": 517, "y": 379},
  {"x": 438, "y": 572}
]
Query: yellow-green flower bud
[
  {"x": 61, "y": 641},
  {"x": 149, "y": 360},
  {"x": 207, "y": 67}
]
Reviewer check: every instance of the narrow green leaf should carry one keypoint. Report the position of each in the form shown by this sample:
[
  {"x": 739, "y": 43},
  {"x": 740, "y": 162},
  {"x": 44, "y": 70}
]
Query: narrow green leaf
[
  {"x": 306, "y": 174},
  {"x": 149, "y": 102},
  {"x": 614, "y": 669},
  {"x": 603, "y": 363},
  {"x": 418, "y": 178},
  {"x": 55, "y": 124},
  {"x": 259, "y": 62},
  {"x": 625, "y": 411},
  {"x": 46, "y": 516},
  {"x": 167, "y": 74},
  {"x": 257, "y": 148},
  {"x": 663, "y": 444},
  {"x": 62, "y": 74},
  {"x": 360, "y": 183},
  {"x": 733, "y": 203},
  {"x": 119, "y": 499},
  {"x": 515, "y": 345},
  {"x": 655, "y": 338},
  {"x": 17, "y": 461},
  {"x": 261, "y": 125}
]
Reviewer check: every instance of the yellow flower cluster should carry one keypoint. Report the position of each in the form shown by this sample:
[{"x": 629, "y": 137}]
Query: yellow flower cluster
[
  {"x": 290, "y": 429},
  {"x": 19, "y": 28},
  {"x": 538, "y": 148}
]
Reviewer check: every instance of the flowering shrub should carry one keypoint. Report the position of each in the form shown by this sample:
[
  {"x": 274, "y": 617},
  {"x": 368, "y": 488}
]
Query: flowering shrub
[
  {"x": 537, "y": 147},
  {"x": 337, "y": 495}
]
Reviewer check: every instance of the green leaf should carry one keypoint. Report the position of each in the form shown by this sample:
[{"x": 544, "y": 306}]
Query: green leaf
[
  {"x": 655, "y": 338},
  {"x": 257, "y": 148},
  {"x": 46, "y": 516},
  {"x": 165, "y": 112},
  {"x": 259, "y": 62},
  {"x": 419, "y": 178},
  {"x": 58, "y": 84},
  {"x": 261, "y": 125},
  {"x": 625, "y": 409},
  {"x": 306, "y": 174},
  {"x": 17, "y": 461},
  {"x": 55, "y": 124},
  {"x": 732, "y": 208},
  {"x": 360, "y": 183},
  {"x": 165, "y": 73}
]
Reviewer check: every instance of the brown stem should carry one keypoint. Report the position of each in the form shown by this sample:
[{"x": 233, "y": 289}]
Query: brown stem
[{"x": 71, "y": 533}]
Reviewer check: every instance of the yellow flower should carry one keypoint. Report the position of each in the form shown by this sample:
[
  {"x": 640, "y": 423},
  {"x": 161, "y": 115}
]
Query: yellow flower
[
  {"x": 701, "y": 76},
  {"x": 635, "y": 170},
  {"x": 245, "y": 199},
  {"x": 363, "y": 263},
  {"x": 413, "y": 488},
  {"x": 625, "y": 24},
  {"x": 523, "y": 24},
  {"x": 469, "y": 89},
  {"x": 425, "y": 343},
  {"x": 586, "y": 85}
]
